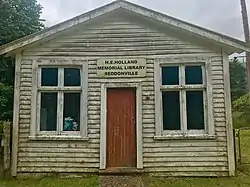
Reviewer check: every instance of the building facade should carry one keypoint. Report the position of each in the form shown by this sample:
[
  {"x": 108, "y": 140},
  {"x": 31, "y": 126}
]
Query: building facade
[{"x": 123, "y": 89}]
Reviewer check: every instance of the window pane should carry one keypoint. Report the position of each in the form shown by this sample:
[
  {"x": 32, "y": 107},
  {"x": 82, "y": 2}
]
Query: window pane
[
  {"x": 71, "y": 111},
  {"x": 195, "y": 110},
  {"x": 171, "y": 110},
  {"x": 193, "y": 75},
  {"x": 49, "y": 77},
  {"x": 48, "y": 113},
  {"x": 170, "y": 75},
  {"x": 72, "y": 77}
]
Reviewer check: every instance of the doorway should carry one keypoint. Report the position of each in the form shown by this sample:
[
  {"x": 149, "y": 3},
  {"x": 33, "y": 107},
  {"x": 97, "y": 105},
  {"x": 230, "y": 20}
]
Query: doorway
[{"x": 121, "y": 128}]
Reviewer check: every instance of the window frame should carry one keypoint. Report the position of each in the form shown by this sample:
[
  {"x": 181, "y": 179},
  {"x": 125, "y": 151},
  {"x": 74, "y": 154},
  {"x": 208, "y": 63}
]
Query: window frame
[
  {"x": 205, "y": 63},
  {"x": 60, "y": 89}
]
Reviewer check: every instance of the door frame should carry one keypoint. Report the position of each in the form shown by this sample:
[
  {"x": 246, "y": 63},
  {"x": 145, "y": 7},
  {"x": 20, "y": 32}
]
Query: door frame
[{"x": 103, "y": 125}]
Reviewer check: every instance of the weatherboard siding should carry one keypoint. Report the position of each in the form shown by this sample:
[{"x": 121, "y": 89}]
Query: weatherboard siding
[{"x": 123, "y": 38}]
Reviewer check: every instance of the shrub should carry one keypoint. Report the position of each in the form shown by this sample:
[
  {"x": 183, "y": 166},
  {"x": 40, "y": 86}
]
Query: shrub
[{"x": 241, "y": 112}]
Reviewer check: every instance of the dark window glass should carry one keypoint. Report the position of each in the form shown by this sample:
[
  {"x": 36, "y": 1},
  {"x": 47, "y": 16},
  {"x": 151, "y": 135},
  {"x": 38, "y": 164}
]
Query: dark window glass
[
  {"x": 71, "y": 111},
  {"x": 72, "y": 77},
  {"x": 193, "y": 75},
  {"x": 195, "y": 110},
  {"x": 171, "y": 110},
  {"x": 48, "y": 113},
  {"x": 170, "y": 75},
  {"x": 49, "y": 77}
]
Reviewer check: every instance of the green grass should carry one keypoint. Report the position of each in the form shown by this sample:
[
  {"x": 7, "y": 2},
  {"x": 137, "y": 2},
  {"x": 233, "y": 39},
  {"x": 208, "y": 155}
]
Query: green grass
[
  {"x": 242, "y": 181},
  {"x": 51, "y": 182},
  {"x": 245, "y": 146}
]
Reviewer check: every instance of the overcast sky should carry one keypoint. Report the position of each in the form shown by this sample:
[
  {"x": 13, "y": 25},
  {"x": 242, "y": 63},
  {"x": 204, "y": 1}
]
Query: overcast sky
[{"x": 219, "y": 15}]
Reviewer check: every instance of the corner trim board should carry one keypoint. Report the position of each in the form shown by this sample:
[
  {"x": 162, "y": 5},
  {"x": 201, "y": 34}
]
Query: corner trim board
[
  {"x": 229, "y": 123},
  {"x": 15, "y": 124}
]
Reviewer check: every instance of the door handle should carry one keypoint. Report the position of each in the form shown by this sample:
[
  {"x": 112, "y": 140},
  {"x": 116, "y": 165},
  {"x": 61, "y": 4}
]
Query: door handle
[{"x": 133, "y": 121}]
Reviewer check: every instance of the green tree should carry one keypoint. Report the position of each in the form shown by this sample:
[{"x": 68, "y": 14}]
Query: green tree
[
  {"x": 238, "y": 79},
  {"x": 18, "y": 18}
]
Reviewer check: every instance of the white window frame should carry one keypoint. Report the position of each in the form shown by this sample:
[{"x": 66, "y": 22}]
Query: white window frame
[
  {"x": 205, "y": 63},
  {"x": 37, "y": 89}
]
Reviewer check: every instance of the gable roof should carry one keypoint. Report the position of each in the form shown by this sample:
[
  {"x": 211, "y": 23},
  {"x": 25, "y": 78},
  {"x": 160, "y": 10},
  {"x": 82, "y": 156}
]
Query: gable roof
[{"x": 232, "y": 44}]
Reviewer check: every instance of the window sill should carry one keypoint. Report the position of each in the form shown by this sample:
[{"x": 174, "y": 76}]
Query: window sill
[
  {"x": 60, "y": 138},
  {"x": 185, "y": 137}
]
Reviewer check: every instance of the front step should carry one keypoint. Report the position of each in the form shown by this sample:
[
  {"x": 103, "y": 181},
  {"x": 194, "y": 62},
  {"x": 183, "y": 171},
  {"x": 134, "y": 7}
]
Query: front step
[
  {"x": 121, "y": 171},
  {"x": 121, "y": 181}
]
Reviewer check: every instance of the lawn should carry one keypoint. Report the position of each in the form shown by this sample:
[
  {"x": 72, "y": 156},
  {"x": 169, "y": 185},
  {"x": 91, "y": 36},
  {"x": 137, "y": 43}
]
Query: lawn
[
  {"x": 244, "y": 146},
  {"x": 241, "y": 181},
  {"x": 51, "y": 182}
]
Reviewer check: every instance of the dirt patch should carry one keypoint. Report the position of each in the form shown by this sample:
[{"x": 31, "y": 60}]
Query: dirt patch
[{"x": 121, "y": 181}]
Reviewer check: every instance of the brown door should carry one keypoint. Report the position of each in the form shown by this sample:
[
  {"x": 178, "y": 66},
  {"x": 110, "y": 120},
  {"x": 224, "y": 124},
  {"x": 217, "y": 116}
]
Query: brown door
[{"x": 121, "y": 128}]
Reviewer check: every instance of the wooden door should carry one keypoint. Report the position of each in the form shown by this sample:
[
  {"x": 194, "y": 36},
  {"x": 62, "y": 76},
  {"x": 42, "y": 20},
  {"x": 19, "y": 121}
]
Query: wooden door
[{"x": 121, "y": 128}]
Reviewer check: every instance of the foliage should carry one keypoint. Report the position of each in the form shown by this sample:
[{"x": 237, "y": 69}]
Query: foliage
[
  {"x": 241, "y": 112},
  {"x": 6, "y": 101},
  {"x": 18, "y": 19},
  {"x": 238, "y": 79},
  {"x": 242, "y": 104}
]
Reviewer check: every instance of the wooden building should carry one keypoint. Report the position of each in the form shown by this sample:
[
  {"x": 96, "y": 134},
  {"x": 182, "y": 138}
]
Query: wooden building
[{"x": 123, "y": 88}]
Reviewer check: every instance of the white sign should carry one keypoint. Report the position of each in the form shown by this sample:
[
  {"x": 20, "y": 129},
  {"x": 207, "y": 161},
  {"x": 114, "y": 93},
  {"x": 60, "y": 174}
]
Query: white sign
[{"x": 113, "y": 68}]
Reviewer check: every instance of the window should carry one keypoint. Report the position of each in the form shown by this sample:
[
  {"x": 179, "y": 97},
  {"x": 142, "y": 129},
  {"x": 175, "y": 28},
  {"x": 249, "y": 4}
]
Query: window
[
  {"x": 60, "y": 100},
  {"x": 183, "y": 90}
]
